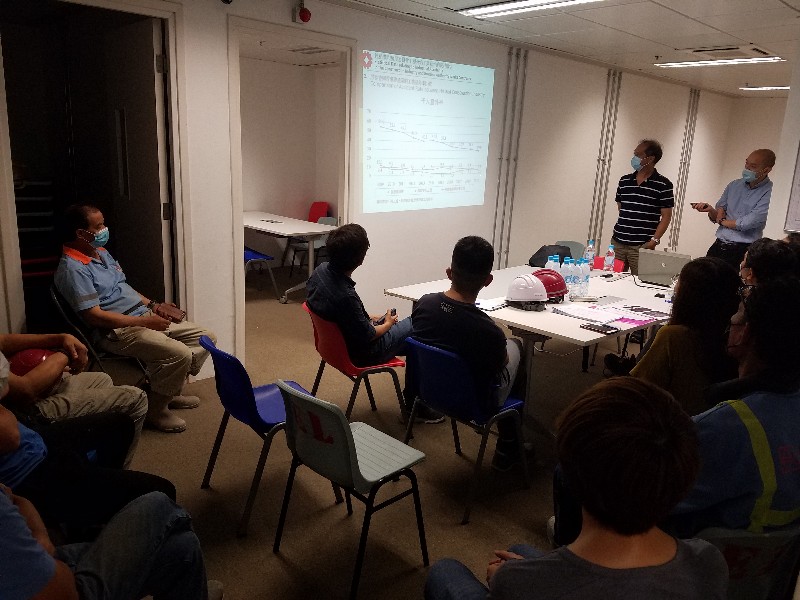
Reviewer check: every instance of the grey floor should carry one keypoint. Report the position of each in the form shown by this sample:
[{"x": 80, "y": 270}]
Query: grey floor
[{"x": 320, "y": 540}]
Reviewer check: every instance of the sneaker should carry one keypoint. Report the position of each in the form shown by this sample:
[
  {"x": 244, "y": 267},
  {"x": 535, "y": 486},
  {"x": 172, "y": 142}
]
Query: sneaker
[
  {"x": 424, "y": 415},
  {"x": 619, "y": 365},
  {"x": 502, "y": 461}
]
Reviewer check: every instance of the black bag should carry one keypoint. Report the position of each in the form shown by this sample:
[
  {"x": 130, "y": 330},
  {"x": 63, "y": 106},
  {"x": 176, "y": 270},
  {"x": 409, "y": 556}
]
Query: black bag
[{"x": 539, "y": 259}]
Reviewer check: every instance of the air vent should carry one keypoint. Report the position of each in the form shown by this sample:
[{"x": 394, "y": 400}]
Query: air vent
[
  {"x": 308, "y": 50},
  {"x": 723, "y": 52}
]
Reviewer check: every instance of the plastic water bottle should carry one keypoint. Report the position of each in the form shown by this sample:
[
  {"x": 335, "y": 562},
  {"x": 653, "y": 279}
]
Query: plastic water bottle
[
  {"x": 588, "y": 254},
  {"x": 585, "y": 269},
  {"x": 552, "y": 263},
  {"x": 573, "y": 272},
  {"x": 608, "y": 262}
]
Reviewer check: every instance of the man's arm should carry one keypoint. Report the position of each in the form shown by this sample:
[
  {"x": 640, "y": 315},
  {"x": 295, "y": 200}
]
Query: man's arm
[
  {"x": 12, "y": 343},
  {"x": 28, "y": 389},
  {"x": 755, "y": 219},
  {"x": 106, "y": 319},
  {"x": 9, "y": 431},
  {"x": 666, "y": 217}
]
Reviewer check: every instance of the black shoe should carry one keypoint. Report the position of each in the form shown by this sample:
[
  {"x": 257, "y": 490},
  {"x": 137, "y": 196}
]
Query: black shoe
[
  {"x": 619, "y": 365},
  {"x": 424, "y": 415},
  {"x": 502, "y": 461}
]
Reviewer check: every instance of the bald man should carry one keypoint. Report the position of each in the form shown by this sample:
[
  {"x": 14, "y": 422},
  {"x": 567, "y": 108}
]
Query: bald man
[{"x": 741, "y": 212}]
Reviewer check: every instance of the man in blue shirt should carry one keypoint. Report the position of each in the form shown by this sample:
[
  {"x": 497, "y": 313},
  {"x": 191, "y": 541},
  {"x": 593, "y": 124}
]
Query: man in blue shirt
[
  {"x": 127, "y": 322},
  {"x": 741, "y": 212}
]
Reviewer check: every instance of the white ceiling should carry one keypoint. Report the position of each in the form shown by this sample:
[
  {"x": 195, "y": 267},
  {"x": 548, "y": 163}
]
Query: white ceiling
[{"x": 633, "y": 34}]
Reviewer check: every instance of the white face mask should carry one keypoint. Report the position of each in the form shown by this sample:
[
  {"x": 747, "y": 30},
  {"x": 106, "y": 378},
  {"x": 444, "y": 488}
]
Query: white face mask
[{"x": 4, "y": 368}]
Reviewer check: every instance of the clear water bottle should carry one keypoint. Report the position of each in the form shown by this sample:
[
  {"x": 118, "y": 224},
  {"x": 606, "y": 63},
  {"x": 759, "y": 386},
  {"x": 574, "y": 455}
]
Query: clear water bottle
[
  {"x": 608, "y": 262},
  {"x": 573, "y": 271},
  {"x": 552, "y": 263},
  {"x": 588, "y": 254},
  {"x": 585, "y": 269}
]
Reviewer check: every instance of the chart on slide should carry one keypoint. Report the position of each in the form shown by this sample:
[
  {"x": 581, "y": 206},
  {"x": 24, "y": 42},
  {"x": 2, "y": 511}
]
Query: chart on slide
[{"x": 425, "y": 132}]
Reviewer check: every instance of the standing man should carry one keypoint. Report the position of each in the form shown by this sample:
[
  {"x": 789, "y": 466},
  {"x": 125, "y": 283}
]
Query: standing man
[
  {"x": 741, "y": 213},
  {"x": 125, "y": 321},
  {"x": 644, "y": 201}
]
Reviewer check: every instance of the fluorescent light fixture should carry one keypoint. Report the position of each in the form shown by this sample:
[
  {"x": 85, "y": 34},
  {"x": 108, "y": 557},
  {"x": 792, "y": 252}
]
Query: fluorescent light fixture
[
  {"x": 518, "y": 6},
  {"x": 720, "y": 62},
  {"x": 765, "y": 88}
]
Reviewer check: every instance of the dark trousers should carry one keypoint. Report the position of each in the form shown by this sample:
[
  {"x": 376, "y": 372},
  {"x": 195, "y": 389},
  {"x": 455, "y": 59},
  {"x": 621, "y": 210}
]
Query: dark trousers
[
  {"x": 69, "y": 489},
  {"x": 731, "y": 252}
]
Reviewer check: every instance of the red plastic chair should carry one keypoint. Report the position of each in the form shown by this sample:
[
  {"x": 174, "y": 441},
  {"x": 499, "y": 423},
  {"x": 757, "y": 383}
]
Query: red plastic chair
[
  {"x": 618, "y": 264},
  {"x": 332, "y": 349},
  {"x": 317, "y": 210}
]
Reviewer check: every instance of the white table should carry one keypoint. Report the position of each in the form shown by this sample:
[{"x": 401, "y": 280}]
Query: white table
[
  {"x": 286, "y": 227},
  {"x": 533, "y": 326}
]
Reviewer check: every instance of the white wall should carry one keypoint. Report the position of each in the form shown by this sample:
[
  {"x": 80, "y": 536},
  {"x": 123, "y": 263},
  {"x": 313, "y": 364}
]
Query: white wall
[{"x": 329, "y": 135}]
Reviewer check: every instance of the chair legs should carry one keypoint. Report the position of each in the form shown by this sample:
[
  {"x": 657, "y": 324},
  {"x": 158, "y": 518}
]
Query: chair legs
[
  {"x": 251, "y": 497},
  {"x": 357, "y": 385},
  {"x": 318, "y": 378},
  {"x": 276, "y": 546},
  {"x": 473, "y": 485},
  {"x": 212, "y": 460}
]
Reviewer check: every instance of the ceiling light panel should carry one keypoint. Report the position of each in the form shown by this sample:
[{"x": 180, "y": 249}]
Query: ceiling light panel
[
  {"x": 518, "y": 7},
  {"x": 720, "y": 63}
]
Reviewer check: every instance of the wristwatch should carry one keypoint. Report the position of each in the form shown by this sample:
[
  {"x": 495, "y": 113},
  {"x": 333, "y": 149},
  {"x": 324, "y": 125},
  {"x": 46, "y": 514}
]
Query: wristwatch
[
  {"x": 656, "y": 240},
  {"x": 152, "y": 304}
]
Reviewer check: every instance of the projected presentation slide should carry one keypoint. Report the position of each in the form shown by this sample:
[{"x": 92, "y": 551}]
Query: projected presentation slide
[{"x": 425, "y": 132}]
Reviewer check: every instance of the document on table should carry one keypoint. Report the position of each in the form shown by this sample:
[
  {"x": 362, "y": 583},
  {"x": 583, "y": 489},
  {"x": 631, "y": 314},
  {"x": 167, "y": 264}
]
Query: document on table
[
  {"x": 593, "y": 314},
  {"x": 491, "y": 304},
  {"x": 622, "y": 312}
]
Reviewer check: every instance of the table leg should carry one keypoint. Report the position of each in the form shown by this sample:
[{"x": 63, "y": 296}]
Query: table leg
[
  {"x": 530, "y": 424},
  {"x": 585, "y": 359}
]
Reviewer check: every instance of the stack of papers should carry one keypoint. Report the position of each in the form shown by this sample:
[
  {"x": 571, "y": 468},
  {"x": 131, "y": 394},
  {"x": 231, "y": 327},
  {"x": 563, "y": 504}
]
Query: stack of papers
[
  {"x": 593, "y": 314},
  {"x": 621, "y": 313},
  {"x": 491, "y": 304}
]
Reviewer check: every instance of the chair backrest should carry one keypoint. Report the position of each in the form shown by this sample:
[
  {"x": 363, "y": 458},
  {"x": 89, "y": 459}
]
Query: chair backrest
[
  {"x": 444, "y": 382},
  {"x": 619, "y": 265},
  {"x": 319, "y": 434},
  {"x": 320, "y": 242},
  {"x": 317, "y": 210},
  {"x": 762, "y": 566},
  {"x": 330, "y": 344},
  {"x": 80, "y": 329},
  {"x": 575, "y": 248},
  {"x": 234, "y": 388}
]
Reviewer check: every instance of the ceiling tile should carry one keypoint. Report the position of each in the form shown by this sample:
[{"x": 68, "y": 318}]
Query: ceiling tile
[
  {"x": 544, "y": 25},
  {"x": 704, "y": 8},
  {"x": 645, "y": 19},
  {"x": 706, "y": 40},
  {"x": 766, "y": 36},
  {"x": 603, "y": 39},
  {"x": 743, "y": 21}
]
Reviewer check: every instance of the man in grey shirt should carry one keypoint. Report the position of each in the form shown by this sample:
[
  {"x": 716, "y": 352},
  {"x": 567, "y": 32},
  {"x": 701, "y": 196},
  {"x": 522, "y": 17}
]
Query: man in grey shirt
[{"x": 629, "y": 452}]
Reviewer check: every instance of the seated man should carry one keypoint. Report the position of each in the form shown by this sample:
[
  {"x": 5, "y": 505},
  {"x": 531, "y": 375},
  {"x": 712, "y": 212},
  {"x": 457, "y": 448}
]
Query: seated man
[
  {"x": 451, "y": 321},
  {"x": 50, "y": 466},
  {"x": 127, "y": 322},
  {"x": 749, "y": 443},
  {"x": 630, "y": 453},
  {"x": 147, "y": 548},
  {"x": 371, "y": 340},
  {"x": 58, "y": 389}
]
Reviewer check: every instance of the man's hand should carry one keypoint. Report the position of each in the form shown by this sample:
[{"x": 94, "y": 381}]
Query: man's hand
[
  {"x": 651, "y": 245},
  {"x": 154, "y": 322},
  {"x": 501, "y": 557},
  {"x": 701, "y": 207},
  {"x": 76, "y": 353}
]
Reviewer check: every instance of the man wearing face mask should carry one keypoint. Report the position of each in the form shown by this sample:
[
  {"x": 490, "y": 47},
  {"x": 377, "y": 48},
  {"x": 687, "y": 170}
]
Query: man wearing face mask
[
  {"x": 644, "y": 201},
  {"x": 125, "y": 321},
  {"x": 741, "y": 212}
]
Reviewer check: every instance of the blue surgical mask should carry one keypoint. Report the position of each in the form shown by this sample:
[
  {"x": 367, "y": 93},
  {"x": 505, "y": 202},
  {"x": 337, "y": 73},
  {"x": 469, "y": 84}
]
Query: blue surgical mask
[
  {"x": 749, "y": 176},
  {"x": 100, "y": 238},
  {"x": 636, "y": 163}
]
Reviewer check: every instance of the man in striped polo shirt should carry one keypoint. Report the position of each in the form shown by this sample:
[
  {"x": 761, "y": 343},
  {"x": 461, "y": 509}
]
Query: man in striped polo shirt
[{"x": 644, "y": 200}]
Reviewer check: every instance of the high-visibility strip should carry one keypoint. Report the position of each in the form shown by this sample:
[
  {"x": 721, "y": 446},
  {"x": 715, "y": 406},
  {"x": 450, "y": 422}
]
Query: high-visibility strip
[{"x": 760, "y": 516}]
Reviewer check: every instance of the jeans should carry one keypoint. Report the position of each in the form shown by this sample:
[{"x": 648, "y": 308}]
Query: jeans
[
  {"x": 731, "y": 253},
  {"x": 449, "y": 579},
  {"x": 391, "y": 343},
  {"x": 147, "y": 548},
  {"x": 68, "y": 489}
]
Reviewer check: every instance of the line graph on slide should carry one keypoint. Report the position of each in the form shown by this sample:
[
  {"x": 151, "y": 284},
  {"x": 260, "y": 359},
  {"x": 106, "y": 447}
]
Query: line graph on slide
[{"x": 425, "y": 133}]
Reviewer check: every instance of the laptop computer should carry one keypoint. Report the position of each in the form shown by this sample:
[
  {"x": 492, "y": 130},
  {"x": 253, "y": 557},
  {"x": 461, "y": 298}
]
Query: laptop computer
[{"x": 659, "y": 267}]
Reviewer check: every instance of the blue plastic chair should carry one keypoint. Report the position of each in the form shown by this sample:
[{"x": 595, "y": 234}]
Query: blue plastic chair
[
  {"x": 260, "y": 408},
  {"x": 253, "y": 257},
  {"x": 442, "y": 381}
]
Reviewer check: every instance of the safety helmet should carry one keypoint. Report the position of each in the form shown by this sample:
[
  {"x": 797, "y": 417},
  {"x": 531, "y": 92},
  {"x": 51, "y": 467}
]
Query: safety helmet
[
  {"x": 554, "y": 284},
  {"x": 26, "y": 360},
  {"x": 527, "y": 292}
]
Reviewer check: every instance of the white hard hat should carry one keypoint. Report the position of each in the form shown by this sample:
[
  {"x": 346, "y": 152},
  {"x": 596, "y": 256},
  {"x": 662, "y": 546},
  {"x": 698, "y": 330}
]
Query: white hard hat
[{"x": 526, "y": 288}]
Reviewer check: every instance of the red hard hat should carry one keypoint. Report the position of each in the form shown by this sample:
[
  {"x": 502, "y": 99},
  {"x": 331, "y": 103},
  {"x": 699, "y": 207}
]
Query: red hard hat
[
  {"x": 26, "y": 360},
  {"x": 553, "y": 282}
]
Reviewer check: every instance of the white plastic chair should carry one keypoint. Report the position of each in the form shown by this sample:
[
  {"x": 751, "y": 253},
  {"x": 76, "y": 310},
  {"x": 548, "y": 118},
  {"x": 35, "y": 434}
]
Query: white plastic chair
[{"x": 355, "y": 456}]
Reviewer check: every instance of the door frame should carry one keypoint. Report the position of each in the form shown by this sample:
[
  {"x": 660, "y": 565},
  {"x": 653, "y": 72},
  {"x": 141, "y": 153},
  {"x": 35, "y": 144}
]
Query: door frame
[
  {"x": 12, "y": 307},
  {"x": 242, "y": 25}
]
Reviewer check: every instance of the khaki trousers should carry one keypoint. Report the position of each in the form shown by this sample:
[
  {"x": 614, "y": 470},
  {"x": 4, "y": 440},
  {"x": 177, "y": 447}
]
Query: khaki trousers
[
  {"x": 169, "y": 355},
  {"x": 627, "y": 254}
]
